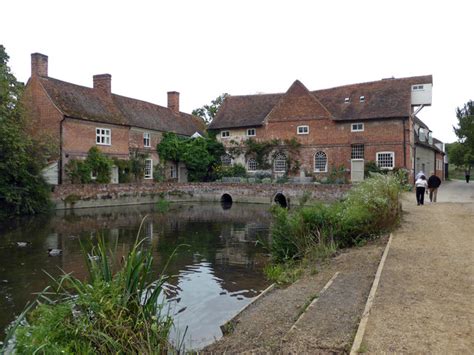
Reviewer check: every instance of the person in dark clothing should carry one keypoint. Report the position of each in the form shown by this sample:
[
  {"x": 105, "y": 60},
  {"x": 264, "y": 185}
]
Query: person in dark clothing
[
  {"x": 421, "y": 184},
  {"x": 433, "y": 183},
  {"x": 467, "y": 174}
]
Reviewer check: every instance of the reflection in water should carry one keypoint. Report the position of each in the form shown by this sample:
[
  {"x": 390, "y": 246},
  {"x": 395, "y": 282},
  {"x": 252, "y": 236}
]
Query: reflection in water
[{"x": 218, "y": 267}]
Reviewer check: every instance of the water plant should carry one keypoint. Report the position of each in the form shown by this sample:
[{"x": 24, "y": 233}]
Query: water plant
[
  {"x": 369, "y": 209},
  {"x": 120, "y": 309}
]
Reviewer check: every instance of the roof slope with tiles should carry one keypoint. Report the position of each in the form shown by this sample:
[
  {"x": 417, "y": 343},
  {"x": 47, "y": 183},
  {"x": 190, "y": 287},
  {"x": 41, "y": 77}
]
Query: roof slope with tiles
[
  {"x": 388, "y": 98},
  {"x": 85, "y": 103}
]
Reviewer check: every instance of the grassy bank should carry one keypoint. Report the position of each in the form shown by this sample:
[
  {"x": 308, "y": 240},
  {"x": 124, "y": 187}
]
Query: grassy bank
[
  {"x": 308, "y": 234},
  {"x": 119, "y": 309}
]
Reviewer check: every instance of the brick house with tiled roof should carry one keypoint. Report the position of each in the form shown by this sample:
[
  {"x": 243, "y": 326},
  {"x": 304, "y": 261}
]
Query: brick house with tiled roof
[
  {"x": 77, "y": 118},
  {"x": 342, "y": 126}
]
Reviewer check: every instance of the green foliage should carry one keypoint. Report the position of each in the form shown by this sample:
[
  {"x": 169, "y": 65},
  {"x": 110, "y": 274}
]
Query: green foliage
[
  {"x": 96, "y": 163},
  {"x": 200, "y": 155},
  {"x": 236, "y": 170},
  {"x": 120, "y": 312},
  {"x": 337, "y": 175},
  {"x": 23, "y": 190},
  {"x": 260, "y": 151},
  {"x": 461, "y": 153},
  {"x": 208, "y": 112},
  {"x": 10, "y": 88},
  {"x": 372, "y": 167},
  {"x": 124, "y": 170},
  {"x": 137, "y": 164},
  {"x": 370, "y": 208},
  {"x": 162, "y": 206},
  {"x": 283, "y": 274}
]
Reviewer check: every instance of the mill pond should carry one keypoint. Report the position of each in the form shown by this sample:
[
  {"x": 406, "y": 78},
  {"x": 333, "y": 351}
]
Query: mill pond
[{"x": 216, "y": 271}]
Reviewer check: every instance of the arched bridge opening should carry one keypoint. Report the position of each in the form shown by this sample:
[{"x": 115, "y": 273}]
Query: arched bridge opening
[
  {"x": 226, "y": 201},
  {"x": 281, "y": 200}
]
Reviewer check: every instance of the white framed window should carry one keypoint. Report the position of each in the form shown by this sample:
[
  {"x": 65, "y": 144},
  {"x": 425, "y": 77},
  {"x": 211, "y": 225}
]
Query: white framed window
[
  {"x": 357, "y": 127},
  {"x": 103, "y": 136},
  {"x": 320, "y": 162},
  {"x": 357, "y": 151},
  {"x": 252, "y": 164},
  {"x": 386, "y": 160},
  {"x": 146, "y": 140},
  {"x": 347, "y": 100},
  {"x": 279, "y": 164},
  {"x": 148, "y": 169},
  {"x": 302, "y": 130},
  {"x": 362, "y": 98},
  {"x": 225, "y": 134},
  {"x": 251, "y": 132},
  {"x": 226, "y": 160},
  {"x": 173, "y": 172},
  {"x": 417, "y": 88}
]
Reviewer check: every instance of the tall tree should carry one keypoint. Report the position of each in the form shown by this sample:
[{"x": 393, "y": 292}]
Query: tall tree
[
  {"x": 22, "y": 188},
  {"x": 462, "y": 152},
  {"x": 208, "y": 112}
]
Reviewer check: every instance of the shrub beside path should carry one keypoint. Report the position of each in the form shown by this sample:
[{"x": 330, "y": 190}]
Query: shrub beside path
[{"x": 425, "y": 299}]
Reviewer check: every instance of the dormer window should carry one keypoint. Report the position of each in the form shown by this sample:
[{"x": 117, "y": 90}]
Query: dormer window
[
  {"x": 362, "y": 98},
  {"x": 225, "y": 134},
  {"x": 357, "y": 127},
  {"x": 417, "y": 87},
  {"x": 347, "y": 100}
]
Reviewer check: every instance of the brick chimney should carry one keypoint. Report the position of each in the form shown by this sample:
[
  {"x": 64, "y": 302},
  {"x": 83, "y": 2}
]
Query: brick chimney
[
  {"x": 39, "y": 64},
  {"x": 103, "y": 83},
  {"x": 173, "y": 100}
]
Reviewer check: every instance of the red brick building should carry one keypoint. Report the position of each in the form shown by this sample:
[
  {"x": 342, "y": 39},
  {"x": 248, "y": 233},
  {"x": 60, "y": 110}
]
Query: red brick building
[
  {"x": 344, "y": 126},
  {"x": 75, "y": 118}
]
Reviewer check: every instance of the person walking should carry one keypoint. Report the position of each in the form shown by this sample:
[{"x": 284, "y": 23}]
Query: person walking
[
  {"x": 420, "y": 173},
  {"x": 421, "y": 184},
  {"x": 433, "y": 183},
  {"x": 467, "y": 174}
]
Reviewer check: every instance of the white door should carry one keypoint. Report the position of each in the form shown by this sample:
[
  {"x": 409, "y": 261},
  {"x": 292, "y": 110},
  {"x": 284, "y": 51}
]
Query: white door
[
  {"x": 115, "y": 175},
  {"x": 357, "y": 170}
]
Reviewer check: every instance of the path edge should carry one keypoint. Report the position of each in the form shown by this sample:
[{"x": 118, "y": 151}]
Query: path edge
[{"x": 370, "y": 300}]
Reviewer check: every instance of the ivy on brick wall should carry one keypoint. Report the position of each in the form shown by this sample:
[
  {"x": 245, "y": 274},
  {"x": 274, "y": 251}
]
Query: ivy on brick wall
[{"x": 95, "y": 168}]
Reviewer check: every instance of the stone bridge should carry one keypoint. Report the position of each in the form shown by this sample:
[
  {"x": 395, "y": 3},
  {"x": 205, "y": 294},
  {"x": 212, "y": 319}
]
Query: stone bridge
[{"x": 96, "y": 195}]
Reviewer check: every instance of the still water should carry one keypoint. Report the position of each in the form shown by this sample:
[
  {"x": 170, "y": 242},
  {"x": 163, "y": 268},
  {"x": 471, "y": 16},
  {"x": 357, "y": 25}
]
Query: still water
[{"x": 217, "y": 270}]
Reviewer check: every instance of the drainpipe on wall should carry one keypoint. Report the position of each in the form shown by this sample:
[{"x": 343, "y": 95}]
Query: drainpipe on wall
[
  {"x": 60, "y": 163},
  {"x": 404, "y": 145}
]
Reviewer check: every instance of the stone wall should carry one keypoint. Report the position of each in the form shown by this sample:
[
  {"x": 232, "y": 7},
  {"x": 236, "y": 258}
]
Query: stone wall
[{"x": 92, "y": 195}]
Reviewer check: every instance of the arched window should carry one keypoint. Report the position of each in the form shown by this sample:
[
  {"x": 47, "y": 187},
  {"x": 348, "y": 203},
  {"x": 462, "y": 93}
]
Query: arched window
[
  {"x": 320, "y": 162},
  {"x": 251, "y": 164},
  {"x": 226, "y": 160},
  {"x": 279, "y": 164}
]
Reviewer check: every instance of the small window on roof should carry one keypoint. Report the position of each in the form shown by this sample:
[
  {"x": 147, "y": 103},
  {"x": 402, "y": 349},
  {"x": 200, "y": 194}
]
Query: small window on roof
[
  {"x": 347, "y": 100},
  {"x": 362, "y": 98}
]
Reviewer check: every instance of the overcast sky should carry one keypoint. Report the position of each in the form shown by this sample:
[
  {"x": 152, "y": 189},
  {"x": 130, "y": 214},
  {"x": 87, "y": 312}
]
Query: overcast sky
[{"x": 204, "y": 48}]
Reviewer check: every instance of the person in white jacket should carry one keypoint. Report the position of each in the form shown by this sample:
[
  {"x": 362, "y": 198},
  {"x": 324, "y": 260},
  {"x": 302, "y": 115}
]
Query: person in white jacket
[{"x": 421, "y": 185}]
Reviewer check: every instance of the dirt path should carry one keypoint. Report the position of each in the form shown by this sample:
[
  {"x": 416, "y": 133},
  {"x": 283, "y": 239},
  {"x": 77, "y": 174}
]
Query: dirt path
[
  {"x": 425, "y": 300},
  {"x": 329, "y": 325}
]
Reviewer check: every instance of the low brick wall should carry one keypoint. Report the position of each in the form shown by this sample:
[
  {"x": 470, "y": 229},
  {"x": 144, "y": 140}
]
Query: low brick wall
[{"x": 92, "y": 195}]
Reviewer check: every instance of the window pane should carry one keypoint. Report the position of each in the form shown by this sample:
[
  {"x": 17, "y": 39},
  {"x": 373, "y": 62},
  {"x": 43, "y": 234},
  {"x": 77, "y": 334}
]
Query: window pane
[
  {"x": 252, "y": 164},
  {"x": 320, "y": 162},
  {"x": 357, "y": 151},
  {"x": 279, "y": 163},
  {"x": 226, "y": 160}
]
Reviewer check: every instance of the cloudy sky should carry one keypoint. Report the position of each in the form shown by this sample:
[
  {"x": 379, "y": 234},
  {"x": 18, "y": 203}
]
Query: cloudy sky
[{"x": 204, "y": 48}]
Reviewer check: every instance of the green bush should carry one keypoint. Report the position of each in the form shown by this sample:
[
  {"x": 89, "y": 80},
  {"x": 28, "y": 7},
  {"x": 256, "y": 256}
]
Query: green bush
[
  {"x": 120, "y": 312},
  {"x": 96, "y": 163},
  {"x": 369, "y": 209}
]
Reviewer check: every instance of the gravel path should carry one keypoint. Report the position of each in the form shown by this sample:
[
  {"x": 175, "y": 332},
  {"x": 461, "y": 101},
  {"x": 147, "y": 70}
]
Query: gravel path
[{"x": 425, "y": 300}]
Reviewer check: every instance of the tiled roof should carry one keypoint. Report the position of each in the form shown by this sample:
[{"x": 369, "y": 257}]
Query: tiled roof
[
  {"x": 386, "y": 98},
  {"x": 86, "y": 103}
]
